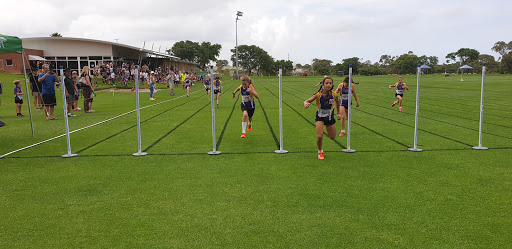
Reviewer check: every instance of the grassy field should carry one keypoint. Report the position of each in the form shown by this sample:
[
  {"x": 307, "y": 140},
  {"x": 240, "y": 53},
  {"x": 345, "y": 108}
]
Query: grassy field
[{"x": 447, "y": 196}]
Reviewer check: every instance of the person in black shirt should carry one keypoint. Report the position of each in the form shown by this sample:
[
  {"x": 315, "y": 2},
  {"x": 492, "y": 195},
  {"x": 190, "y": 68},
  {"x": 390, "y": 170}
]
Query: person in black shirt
[
  {"x": 36, "y": 88},
  {"x": 70, "y": 90}
]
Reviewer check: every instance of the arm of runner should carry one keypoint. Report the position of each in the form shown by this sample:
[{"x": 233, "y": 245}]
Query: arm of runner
[{"x": 308, "y": 101}]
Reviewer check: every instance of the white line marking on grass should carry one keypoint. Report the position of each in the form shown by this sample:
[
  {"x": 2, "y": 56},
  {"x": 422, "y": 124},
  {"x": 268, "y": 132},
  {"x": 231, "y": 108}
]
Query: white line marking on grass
[{"x": 89, "y": 126}]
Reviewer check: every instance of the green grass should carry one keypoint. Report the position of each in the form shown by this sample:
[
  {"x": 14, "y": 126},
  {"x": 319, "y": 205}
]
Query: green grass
[{"x": 448, "y": 196}]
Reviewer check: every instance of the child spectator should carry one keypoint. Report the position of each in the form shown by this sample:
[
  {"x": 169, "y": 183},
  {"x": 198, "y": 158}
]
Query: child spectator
[{"x": 18, "y": 97}]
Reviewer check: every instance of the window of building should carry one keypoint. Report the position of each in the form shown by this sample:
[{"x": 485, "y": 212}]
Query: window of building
[
  {"x": 62, "y": 64},
  {"x": 8, "y": 62},
  {"x": 94, "y": 58}
]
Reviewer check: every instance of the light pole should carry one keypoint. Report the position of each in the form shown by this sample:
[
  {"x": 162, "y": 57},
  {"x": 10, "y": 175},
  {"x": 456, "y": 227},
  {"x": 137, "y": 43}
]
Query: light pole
[{"x": 238, "y": 14}]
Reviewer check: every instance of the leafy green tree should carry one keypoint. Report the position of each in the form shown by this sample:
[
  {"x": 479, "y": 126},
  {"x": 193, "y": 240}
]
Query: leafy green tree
[
  {"x": 321, "y": 63},
  {"x": 202, "y": 54},
  {"x": 185, "y": 50},
  {"x": 207, "y": 52},
  {"x": 221, "y": 64},
  {"x": 502, "y": 48},
  {"x": 286, "y": 65},
  {"x": 253, "y": 57},
  {"x": 385, "y": 60},
  {"x": 451, "y": 57},
  {"x": 506, "y": 63},
  {"x": 491, "y": 64},
  {"x": 55, "y": 35},
  {"x": 406, "y": 63},
  {"x": 354, "y": 61},
  {"x": 466, "y": 55}
]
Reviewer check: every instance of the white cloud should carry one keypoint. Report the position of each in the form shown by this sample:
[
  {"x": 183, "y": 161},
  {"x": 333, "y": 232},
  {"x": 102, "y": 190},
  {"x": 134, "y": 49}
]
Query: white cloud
[{"x": 305, "y": 29}]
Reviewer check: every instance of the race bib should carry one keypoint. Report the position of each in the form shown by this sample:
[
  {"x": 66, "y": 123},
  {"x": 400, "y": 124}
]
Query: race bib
[
  {"x": 344, "y": 96},
  {"x": 399, "y": 91},
  {"x": 324, "y": 113},
  {"x": 246, "y": 98}
]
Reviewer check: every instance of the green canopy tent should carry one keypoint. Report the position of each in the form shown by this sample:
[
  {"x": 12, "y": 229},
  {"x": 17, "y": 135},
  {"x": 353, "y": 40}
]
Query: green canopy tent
[{"x": 12, "y": 44}]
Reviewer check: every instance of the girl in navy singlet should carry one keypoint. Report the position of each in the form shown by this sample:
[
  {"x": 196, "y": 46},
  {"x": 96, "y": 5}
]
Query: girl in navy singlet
[
  {"x": 206, "y": 84},
  {"x": 248, "y": 93},
  {"x": 399, "y": 94},
  {"x": 217, "y": 88},
  {"x": 326, "y": 101},
  {"x": 342, "y": 91}
]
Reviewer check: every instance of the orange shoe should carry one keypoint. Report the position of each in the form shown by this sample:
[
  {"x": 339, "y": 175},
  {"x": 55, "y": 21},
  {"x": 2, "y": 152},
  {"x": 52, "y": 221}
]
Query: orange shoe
[
  {"x": 243, "y": 135},
  {"x": 321, "y": 155},
  {"x": 249, "y": 128}
]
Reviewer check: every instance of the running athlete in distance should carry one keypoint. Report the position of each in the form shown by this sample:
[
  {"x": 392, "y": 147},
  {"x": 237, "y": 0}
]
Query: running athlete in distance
[
  {"x": 326, "y": 101},
  {"x": 217, "y": 88},
  {"x": 399, "y": 94},
  {"x": 342, "y": 91},
  {"x": 206, "y": 83},
  {"x": 187, "y": 83},
  {"x": 248, "y": 93}
]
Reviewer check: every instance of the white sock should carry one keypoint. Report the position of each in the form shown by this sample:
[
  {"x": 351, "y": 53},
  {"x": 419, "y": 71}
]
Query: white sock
[
  {"x": 250, "y": 122},
  {"x": 322, "y": 150},
  {"x": 342, "y": 130},
  {"x": 244, "y": 125}
]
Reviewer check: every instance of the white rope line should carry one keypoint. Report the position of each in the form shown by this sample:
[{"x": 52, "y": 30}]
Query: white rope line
[{"x": 89, "y": 126}]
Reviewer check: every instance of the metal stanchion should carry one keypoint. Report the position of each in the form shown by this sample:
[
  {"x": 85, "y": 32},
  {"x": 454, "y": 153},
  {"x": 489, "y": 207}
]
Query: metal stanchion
[
  {"x": 65, "y": 104},
  {"x": 139, "y": 153},
  {"x": 281, "y": 150},
  {"x": 212, "y": 84},
  {"x": 348, "y": 149},
  {"x": 480, "y": 147},
  {"x": 415, "y": 149}
]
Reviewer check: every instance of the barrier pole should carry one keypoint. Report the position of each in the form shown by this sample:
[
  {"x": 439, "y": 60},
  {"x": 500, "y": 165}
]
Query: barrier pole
[
  {"x": 348, "y": 149},
  {"x": 480, "y": 147},
  {"x": 212, "y": 87},
  {"x": 65, "y": 105},
  {"x": 281, "y": 150},
  {"x": 415, "y": 149},
  {"x": 139, "y": 153}
]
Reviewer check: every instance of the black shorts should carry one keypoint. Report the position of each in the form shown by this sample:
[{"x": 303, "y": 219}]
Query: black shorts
[
  {"x": 207, "y": 89},
  {"x": 216, "y": 91},
  {"x": 250, "y": 111},
  {"x": 401, "y": 95},
  {"x": 49, "y": 100},
  {"x": 18, "y": 101},
  {"x": 326, "y": 120}
]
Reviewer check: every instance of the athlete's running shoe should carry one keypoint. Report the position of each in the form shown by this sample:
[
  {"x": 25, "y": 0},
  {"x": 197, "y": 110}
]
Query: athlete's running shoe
[
  {"x": 394, "y": 103},
  {"x": 243, "y": 135},
  {"x": 321, "y": 155},
  {"x": 342, "y": 134},
  {"x": 249, "y": 128},
  {"x": 401, "y": 109}
]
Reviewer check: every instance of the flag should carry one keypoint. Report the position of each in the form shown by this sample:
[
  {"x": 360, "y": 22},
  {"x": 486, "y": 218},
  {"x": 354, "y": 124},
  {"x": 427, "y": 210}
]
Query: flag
[{"x": 9, "y": 44}]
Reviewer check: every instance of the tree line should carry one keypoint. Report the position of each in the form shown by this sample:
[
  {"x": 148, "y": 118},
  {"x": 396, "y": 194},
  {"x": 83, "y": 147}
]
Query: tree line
[{"x": 253, "y": 59}]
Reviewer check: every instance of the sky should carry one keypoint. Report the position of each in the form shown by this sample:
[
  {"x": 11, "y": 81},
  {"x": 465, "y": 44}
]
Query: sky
[{"x": 300, "y": 30}]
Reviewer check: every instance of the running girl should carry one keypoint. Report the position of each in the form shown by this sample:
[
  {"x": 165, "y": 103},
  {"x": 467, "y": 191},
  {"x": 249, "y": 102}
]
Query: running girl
[
  {"x": 217, "y": 88},
  {"x": 187, "y": 83},
  {"x": 326, "y": 100},
  {"x": 248, "y": 93},
  {"x": 399, "y": 94},
  {"x": 206, "y": 84},
  {"x": 342, "y": 91}
]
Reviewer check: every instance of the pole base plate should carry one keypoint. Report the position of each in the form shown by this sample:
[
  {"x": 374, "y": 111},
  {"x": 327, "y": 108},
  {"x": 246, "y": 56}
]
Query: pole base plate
[
  {"x": 480, "y": 148},
  {"x": 214, "y": 153},
  {"x": 415, "y": 150},
  {"x": 348, "y": 150},
  {"x": 140, "y": 154},
  {"x": 69, "y": 155},
  {"x": 281, "y": 151}
]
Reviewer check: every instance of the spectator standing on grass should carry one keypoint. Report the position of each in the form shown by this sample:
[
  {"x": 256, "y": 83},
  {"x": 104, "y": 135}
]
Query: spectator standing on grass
[
  {"x": 170, "y": 82},
  {"x": 74, "y": 77},
  {"x": 87, "y": 88},
  {"x": 36, "y": 88},
  {"x": 69, "y": 87},
  {"x": 48, "y": 80},
  {"x": 152, "y": 86},
  {"x": 18, "y": 98}
]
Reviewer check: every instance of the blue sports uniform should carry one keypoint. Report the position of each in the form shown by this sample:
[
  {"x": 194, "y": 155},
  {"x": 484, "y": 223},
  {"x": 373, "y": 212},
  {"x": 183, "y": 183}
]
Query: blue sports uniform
[
  {"x": 344, "y": 96},
  {"x": 247, "y": 101},
  {"x": 207, "y": 85},
  {"x": 216, "y": 87},
  {"x": 400, "y": 89},
  {"x": 325, "y": 107}
]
